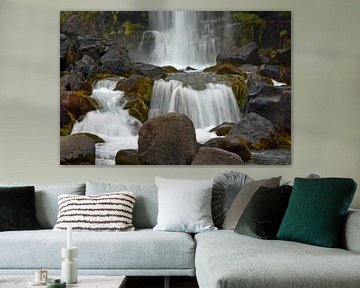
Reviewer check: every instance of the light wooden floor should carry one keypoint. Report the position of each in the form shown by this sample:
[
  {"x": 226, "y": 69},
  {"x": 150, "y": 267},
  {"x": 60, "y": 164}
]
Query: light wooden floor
[{"x": 158, "y": 282}]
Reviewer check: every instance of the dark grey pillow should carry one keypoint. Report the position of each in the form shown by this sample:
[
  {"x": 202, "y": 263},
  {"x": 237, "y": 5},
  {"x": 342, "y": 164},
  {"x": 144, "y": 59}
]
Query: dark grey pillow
[{"x": 226, "y": 187}]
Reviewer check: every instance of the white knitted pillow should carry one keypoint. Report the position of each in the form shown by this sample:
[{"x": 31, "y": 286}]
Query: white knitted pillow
[{"x": 105, "y": 212}]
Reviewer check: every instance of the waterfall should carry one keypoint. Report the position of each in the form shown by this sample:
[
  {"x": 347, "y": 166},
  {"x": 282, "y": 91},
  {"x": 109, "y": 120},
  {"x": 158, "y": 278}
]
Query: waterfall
[
  {"x": 111, "y": 122},
  {"x": 208, "y": 107},
  {"x": 183, "y": 38}
]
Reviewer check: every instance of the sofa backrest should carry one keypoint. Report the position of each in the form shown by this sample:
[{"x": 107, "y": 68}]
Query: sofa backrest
[{"x": 146, "y": 203}]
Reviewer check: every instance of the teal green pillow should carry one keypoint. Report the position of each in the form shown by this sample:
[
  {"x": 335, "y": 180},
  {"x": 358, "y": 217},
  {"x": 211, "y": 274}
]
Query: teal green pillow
[{"x": 316, "y": 211}]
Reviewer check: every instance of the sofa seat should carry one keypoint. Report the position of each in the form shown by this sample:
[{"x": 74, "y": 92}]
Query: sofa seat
[
  {"x": 142, "y": 252},
  {"x": 225, "y": 259}
]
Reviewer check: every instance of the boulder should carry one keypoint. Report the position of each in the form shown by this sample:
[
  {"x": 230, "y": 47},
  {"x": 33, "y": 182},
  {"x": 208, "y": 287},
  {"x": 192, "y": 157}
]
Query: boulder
[
  {"x": 257, "y": 131},
  {"x": 168, "y": 139},
  {"x": 77, "y": 103},
  {"x": 137, "y": 85},
  {"x": 64, "y": 46},
  {"x": 234, "y": 145},
  {"x": 67, "y": 121},
  {"x": 152, "y": 71},
  {"x": 94, "y": 46},
  {"x": 73, "y": 81},
  {"x": 245, "y": 55},
  {"x": 127, "y": 157},
  {"x": 96, "y": 138},
  {"x": 86, "y": 65},
  {"x": 137, "y": 108},
  {"x": 222, "y": 129},
  {"x": 257, "y": 84},
  {"x": 225, "y": 69},
  {"x": 117, "y": 61},
  {"x": 216, "y": 156},
  {"x": 284, "y": 57},
  {"x": 77, "y": 150},
  {"x": 276, "y": 72},
  {"x": 170, "y": 69},
  {"x": 275, "y": 107}
]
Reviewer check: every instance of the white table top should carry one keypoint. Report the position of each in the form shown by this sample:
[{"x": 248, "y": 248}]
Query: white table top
[{"x": 84, "y": 281}]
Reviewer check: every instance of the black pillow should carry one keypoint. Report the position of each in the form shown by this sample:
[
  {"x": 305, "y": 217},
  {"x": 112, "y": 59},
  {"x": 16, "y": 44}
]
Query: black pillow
[
  {"x": 263, "y": 215},
  {"x": 17, "y": 208}
]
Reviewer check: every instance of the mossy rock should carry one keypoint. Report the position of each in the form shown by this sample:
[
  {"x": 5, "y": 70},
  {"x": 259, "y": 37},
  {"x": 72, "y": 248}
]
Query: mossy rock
[
  {"x": 222, "y": 129},
  {"x": 127, "y": 157},
  {"x": 137, "y": 108},
  {"x": 67, "y": 121},
  {"x": 137, "y": 85},
  {"x": 225, "y": 69},
  {"x": 170, "y": 69},
  {"x": 240, "y": 90},
  {"x": 78, "y": 103},
  {"x": 101, "y": 76},
  {"x": 96, "y": 138}
]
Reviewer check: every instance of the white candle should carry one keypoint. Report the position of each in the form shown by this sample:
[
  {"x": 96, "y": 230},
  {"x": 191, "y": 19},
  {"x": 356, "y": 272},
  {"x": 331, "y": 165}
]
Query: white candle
[{"x": 69, "y": 239}]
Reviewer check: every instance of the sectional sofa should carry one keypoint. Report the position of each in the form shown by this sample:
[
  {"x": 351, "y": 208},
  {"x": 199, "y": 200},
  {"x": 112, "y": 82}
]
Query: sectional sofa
[{"x": 219, "y": 259}]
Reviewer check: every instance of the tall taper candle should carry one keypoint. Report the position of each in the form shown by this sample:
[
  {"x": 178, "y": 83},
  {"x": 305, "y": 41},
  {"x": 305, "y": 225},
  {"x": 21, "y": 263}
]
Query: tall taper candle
[{"x": 69, "y": 239}]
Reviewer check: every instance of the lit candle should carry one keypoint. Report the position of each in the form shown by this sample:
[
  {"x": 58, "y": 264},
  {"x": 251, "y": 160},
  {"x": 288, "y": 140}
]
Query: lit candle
[{"x": 69, "y": 239}]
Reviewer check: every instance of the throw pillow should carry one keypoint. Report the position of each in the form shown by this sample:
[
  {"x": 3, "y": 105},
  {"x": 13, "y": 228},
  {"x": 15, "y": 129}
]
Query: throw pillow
[
  {"x": 226, "y": 187},
  {"x": 46, "y": 200},
  {"x": 243, "y": 198},
  {"x": 184, "y": 205},
  {"x": 317, "y": 209},
  {"x": 17, "y": 208},
  {"x": 106, "y": 212},
  {"x": 263, "y": 215}
]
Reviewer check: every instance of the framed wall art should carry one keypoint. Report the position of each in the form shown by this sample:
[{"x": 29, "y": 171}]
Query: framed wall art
[{"x": 175, "y": 88}]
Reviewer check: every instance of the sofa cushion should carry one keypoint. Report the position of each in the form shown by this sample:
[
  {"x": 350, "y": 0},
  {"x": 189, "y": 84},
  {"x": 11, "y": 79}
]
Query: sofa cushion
[
  {"x": 263, "y": 215},
  {"x": 184, "y": 205},
  {"x": 105, "y": 212},
  {"x": 225, "y": 259},
  {"x": 317, "y": 209},
  {"x": 46, "y": 200},
  {"x": 17, "y": 208},
  {"x": 225, "y": 189},
  {"x": 146, "y": 205},
  {"x": 137, "y": 250},
  {"x": 243, "y": 198}
]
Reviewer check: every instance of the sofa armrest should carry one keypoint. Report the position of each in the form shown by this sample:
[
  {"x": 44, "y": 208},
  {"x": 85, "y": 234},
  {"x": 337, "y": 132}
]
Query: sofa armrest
[{"x": 351, "y": 234}]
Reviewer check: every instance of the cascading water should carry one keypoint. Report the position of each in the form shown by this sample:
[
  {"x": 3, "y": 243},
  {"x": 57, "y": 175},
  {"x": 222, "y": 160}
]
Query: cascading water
[
  {"x": 111, "y": 122},
  {"x": 183, "y": 38}
]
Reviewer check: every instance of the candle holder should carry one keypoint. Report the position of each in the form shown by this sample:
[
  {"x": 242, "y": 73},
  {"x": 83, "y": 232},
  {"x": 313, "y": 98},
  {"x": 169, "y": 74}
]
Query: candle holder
[{"x": 68, "y": 265}]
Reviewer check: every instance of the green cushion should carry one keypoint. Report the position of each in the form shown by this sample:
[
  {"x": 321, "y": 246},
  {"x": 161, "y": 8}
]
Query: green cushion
[{"x": 316, "y": 211}]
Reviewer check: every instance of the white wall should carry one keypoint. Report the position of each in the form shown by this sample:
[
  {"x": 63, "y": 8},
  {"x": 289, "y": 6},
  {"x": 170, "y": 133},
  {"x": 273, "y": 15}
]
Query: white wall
[{"x": 326, "y": 90}]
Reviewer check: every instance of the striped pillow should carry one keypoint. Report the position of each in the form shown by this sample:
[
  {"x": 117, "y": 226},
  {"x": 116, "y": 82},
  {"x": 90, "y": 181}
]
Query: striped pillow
[{"x": 105, "y": 212}]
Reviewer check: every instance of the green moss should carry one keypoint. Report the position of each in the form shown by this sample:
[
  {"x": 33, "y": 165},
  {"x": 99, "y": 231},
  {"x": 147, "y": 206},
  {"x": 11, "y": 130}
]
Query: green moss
[
  {"x": 130, "y": 28},
  {"x": 252, "y": 26},
  {"x": 138, "y": 109},
  {"x": 138, "y": 86},
  {"x": 240, "y": 90},
  {"x": 67, "y": 128}
]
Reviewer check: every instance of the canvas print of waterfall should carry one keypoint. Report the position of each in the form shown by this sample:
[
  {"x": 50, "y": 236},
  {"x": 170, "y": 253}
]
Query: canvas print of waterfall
[{"x": 175, "y": 88}]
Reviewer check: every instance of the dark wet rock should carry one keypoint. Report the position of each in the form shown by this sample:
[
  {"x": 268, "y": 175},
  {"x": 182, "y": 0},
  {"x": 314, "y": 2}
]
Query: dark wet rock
[
  {"x": 96, "y": 138},
  {"x": 86, "y": 66},
  {"x": 94, "y": 46},
  {"x": 257, "y": 131},
  {"x": 256, "y": 84},
  {"x": 245, "y": 55},
  {"x": 275, "y": 107},
  {"x": 77, "y": 103},
  {"x": 127, "y": 157},
  {"x": 284, "y": 57},
  {"x": 170, "y": 69},
  {"x": 216, "y": 156},
  {"x": 73, "y": 81},
  {"x": 167, "y": 139},
  {"x": 149, "y": 70},
  {"x": 117, "y": 61},
  {"x": 222, "y": 129},
  {"x": 234, "y": 145},
  {"x": 64, "y": 46},
  {"x": 67, "y": 121},
  {"x": 276, "y": 72},
  {"x": 77, "y": 150},
  {"x": 249, "y": 68}
]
